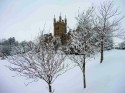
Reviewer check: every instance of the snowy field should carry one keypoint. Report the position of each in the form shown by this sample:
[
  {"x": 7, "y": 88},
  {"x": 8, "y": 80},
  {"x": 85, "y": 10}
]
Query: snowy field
[{"x": 108, "y": 77}]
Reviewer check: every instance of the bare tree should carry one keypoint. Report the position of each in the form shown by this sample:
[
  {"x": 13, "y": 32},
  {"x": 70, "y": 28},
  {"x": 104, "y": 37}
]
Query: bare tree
[
  {"x": 41, "y": 62},
  {"x": 108, "y": 20},
  {"x": 82, "y": 41}
]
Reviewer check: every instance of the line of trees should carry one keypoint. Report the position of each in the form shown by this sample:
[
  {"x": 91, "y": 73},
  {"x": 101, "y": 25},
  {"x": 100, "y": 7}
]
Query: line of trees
[
  {"x": 7, "y": 46},
  {"x": 95, "y": 31},
  {"x": 46, "y": 61}
]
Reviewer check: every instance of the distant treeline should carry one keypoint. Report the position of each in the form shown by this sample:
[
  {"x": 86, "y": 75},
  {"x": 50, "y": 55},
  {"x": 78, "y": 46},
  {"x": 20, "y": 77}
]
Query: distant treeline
[{"x": 7, "y": 45}]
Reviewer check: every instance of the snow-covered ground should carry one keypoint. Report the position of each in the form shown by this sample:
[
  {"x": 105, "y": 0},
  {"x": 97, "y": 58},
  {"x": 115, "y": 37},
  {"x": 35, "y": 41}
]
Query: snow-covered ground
[{"x": 108, "y": 77}]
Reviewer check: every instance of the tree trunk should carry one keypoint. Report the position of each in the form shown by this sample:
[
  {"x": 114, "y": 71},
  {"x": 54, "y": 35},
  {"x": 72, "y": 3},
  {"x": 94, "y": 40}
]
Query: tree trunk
[
  {"x": 84, "y": 78},
  {"x": 102, "y": 49},
  {"x": 50, "y": 88}
]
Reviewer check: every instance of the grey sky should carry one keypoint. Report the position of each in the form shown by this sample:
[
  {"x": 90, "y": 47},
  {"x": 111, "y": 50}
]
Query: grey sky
[{"x": 23, "y": 19}]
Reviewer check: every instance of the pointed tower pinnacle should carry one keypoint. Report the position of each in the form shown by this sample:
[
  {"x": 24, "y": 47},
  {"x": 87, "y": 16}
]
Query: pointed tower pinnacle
[
  {"x": 65, "y": 20},
  {"x": 60, "y": 18},
  {"x": 54, "y": 19}
]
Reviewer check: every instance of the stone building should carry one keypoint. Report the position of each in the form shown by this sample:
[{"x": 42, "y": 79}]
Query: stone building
[{"x": 60, "y": 29}]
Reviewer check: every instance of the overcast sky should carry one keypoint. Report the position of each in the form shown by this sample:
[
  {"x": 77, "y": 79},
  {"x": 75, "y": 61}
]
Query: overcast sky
[{"x": 23, "y": 19}]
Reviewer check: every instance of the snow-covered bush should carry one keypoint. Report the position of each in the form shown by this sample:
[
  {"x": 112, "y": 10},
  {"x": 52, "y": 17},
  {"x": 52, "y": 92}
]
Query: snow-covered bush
[{"x": 122, "y": 45}]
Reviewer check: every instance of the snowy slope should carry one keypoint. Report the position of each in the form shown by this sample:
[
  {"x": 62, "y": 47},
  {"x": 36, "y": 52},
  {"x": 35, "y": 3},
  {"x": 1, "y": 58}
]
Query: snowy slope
[{"x": 108, "y": 77}]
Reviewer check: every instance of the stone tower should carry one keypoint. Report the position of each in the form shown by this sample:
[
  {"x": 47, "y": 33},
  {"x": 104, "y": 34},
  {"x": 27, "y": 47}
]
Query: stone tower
[{"x": 60, "y": 29}]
